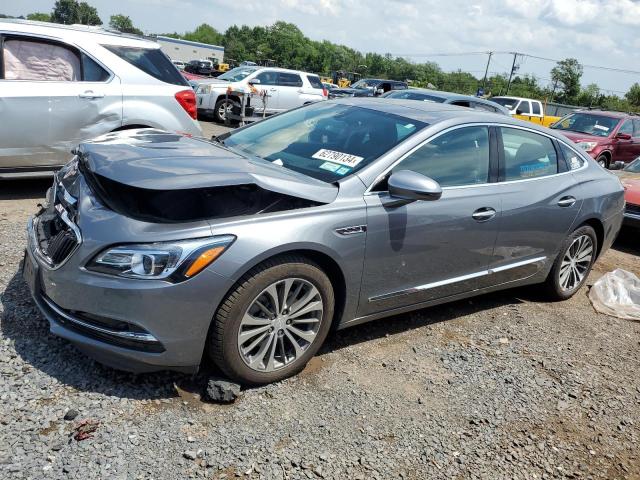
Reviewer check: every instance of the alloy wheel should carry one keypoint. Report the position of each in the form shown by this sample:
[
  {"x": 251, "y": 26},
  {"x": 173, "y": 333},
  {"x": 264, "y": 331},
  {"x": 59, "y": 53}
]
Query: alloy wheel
[
  {"x": 576, "y": 262},
  {"x": 280, "y": 324}
]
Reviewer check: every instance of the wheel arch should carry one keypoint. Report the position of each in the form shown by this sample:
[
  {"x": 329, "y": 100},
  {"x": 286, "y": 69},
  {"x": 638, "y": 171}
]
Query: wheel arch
[{"x": 598, "y": 227}]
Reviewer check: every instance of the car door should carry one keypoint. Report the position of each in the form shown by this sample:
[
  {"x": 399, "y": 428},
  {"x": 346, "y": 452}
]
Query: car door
[
  {"x": 540, "y": 201},
  {"x": 60, "y": 94},
  {"x": 636, "y": 139},
  {"x": 625, "y": 147},
  {"x": 270, "y": 100},
  {"x": 289, "y": 90},
  {"x": 425, "y": 250}
]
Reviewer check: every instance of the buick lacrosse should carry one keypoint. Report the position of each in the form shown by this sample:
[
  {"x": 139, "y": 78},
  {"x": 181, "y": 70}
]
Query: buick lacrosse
[{"x": 155, "y": 250}]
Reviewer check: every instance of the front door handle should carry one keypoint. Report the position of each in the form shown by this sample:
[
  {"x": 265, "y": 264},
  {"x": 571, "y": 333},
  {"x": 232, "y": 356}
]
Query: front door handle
[
  {"x": 91, "y": 94},
  {"x": 483, "y": 214},
  {"x": 567, "y": 201}
]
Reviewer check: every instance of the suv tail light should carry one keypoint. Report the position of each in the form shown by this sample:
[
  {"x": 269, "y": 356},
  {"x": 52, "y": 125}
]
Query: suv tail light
[
  {"x": 325, "y": 92},
  {"x": 187, "y": 100}
]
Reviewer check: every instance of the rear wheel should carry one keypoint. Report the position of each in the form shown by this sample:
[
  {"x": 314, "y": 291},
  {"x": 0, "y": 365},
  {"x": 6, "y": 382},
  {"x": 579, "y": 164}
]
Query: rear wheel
[
  {"x": 223, "y": 107},
  {"x": 273, "y": 322},
  {"x": 573, "y": 264},
  {"x": 603, "y": 161}
]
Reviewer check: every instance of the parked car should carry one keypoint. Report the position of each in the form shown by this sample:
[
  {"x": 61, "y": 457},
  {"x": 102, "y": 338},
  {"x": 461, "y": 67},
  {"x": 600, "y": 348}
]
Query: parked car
[
  {"x": 285, "y": 89},
  {"x": 425, "y": 95},
  {"x": 368, "y": 87},
  {"x": 252, "y": 246},
  {"x": 526, "y": 109},
  {"x": 606, "y": 136},
  {"x": 329, "y": 86},
  {"x": 630, "y": 177},
  {"x": 179, "y": 65},
  {"x": 199, "y": 67},
  {"x": 64, "y": 84}
]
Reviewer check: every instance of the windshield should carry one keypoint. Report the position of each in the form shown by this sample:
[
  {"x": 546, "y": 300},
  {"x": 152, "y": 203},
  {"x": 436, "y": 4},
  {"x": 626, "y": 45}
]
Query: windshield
[
  {"x": 508, "y": 103},
  {"x": 411, "y": 95},
  {"x": 633, "y": 167},
  {"x": 588, "y": 123},
  {"x": 365, "y": 84},
  {"x": 237, "y": 74},
  {"x": 326, "y": 141}
]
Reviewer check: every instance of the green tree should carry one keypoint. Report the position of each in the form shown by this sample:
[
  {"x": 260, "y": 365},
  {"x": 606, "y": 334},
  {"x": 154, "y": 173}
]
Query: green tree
[
  {"x": 205, "y": 34},
  {"x": 124, "y": 24},
  {"x": 633, "y": 95},
  {"x": 39, "y": 16},
  {"x": 65, "y": 12},
  {"x": 567, "y": 74},
  {"x": 87, "y": 15}
]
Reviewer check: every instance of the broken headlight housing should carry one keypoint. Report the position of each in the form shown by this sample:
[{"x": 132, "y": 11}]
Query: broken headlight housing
[{"x": 170, "y": 261}]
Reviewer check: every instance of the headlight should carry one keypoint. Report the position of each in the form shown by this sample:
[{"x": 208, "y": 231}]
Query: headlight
[
  {"x": 171, "y": 261},
  {"x": 204, "y": 89},
  {"x": 587, "y": 146}
]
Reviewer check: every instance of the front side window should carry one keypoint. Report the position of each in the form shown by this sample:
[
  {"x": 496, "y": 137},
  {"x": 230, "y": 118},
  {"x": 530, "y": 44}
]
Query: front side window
[
  {"x": 527, "y": 155},
  {"x": 151, "y": 61},
  {"x": 40, "y": 61},
  {"x": 626, "y": 127},
  {"x": 508, "y": 103},
  {"x": 456, "y": 158},
  {"x": 523, "y": 108},
  {"x": 267, "y": 78},
  {"x": 289, "y": 80},
  {"x": 324, "y": 140}
]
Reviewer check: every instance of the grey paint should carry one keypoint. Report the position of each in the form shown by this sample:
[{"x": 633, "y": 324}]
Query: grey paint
[{"x": 397, "y": 258}]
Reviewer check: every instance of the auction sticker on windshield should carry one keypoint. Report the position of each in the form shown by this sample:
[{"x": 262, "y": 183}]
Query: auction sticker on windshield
[{"x": 337, "y": 157}]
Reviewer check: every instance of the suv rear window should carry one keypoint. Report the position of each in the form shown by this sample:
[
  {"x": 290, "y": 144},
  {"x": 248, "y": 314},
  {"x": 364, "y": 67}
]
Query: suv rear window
[
  {"x": 151, "y": 61},
  {"x": 315, "y": 82}
]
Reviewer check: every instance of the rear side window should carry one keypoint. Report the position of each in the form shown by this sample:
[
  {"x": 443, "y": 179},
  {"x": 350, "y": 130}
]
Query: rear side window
[
  {"x": 527, "y": 155},
  {"x": 574, "y": 161},
  {"x": 315, "y": 82},
  {"x": 456, "y": 158},
  {"x": 151, "y": 61},
  {"x": 289, "y": 80},
  {"x": 535, "y": 108},
  {"x": 523, "y": 108},
  {"x": 91, "y": 71},
  {"x": 462, "y": 103},
  {"x": 40, "y": 61}
]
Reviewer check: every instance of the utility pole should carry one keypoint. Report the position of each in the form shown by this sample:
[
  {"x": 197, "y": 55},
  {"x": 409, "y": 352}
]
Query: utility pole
[
  {"x": 513, "y": 69},
  {"x": 486, "y": 71},
  {"x": 553, "y": 93}
]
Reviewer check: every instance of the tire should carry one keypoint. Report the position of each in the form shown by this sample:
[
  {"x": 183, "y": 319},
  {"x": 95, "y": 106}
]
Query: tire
[
  {"x": 603, "y": 161},
  {"x": 219, "y": 111},
  {"x": 561, "y": 285},
  {"x": 248, "y": 359}
]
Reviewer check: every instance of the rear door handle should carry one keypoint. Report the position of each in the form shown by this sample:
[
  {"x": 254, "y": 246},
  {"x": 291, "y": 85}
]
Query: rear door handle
[
  {"x": 567, "y": 201},
  {"x": 483, "y": 214},
  {"x": 91, "y": 94}
]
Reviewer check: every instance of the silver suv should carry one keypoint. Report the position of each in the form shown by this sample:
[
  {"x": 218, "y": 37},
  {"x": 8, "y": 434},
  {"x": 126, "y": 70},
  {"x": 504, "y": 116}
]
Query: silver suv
[
  {"x": 285, "y": 89},
  {"x": 64, "y": 84}
]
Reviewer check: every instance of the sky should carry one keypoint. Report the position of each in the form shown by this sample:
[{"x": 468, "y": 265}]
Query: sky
[{"x": 596, "y": 32}]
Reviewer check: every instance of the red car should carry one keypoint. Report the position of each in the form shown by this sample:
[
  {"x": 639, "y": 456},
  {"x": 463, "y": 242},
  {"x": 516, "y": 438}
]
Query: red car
[
  {"x": 606, "y": 136},
  {"x": 630, "y": 178}
]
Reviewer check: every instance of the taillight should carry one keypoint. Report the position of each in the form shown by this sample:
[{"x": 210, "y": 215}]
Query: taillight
[
  {"x": 325, "y": 92},
  {"x": 187, "y": 99}
]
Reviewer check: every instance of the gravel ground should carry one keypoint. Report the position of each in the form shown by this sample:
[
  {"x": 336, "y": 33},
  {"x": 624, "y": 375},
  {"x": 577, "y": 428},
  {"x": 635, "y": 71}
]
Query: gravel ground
[{"x": 502, "y": 386}]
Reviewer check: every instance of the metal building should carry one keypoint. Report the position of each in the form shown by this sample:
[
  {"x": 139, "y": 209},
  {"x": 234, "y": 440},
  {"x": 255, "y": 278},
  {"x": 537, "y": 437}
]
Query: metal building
[{"x": 185, "y": 50}]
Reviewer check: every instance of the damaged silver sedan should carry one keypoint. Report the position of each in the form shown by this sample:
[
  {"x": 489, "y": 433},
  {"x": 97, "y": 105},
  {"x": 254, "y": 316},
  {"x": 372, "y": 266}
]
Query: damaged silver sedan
[{"x": 156, "y": 250}]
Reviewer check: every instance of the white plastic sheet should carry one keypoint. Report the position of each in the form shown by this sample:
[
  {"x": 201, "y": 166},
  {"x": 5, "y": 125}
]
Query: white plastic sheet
[{"x": 617, "y": 294}]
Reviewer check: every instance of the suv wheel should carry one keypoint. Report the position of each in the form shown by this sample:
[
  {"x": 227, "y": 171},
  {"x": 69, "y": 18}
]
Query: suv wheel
[
  {"x": 603, "y": 161},
  {"x": 573, "y": 264},
  {"x": 223, "y": 106},
  {"x": 273, "y": 322}
]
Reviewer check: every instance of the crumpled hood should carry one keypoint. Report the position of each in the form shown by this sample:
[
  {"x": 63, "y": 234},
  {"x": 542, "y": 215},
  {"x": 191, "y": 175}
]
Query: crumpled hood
[{"x": 157, "y": 160}]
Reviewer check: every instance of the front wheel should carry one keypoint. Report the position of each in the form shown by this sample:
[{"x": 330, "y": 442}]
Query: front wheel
[
  {"x": 223, "y": 107},
  {"x": 603, "y": 161},
  {"x": 273, "y": 322},
  {"x": 573, "y": 264}
]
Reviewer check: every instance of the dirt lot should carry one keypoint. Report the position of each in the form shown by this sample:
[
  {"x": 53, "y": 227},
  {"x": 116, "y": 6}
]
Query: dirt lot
[{"x": 502, "y": 386}]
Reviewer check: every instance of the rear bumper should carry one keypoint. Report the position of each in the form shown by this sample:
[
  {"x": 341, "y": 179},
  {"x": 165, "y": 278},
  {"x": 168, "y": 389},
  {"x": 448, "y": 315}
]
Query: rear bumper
[{"x": 631, "y": 220}]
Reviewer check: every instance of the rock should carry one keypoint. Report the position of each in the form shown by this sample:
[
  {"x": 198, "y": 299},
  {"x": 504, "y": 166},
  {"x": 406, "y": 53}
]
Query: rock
[
  {"x": 219, "y": 390},
  {"x": 71, "y": 414},
  {"x": 190, "y": 455}
]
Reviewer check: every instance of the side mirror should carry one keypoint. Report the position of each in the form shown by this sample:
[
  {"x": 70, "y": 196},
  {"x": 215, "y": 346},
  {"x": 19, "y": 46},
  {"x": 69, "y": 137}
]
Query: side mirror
[
  {"x": 254, "y": 81},
  {"x": 409, "y": 185},
  {"x": 519, "y": 112},
  {"x": 623, "y": 136},
  {"x": 619, "y": 165}
]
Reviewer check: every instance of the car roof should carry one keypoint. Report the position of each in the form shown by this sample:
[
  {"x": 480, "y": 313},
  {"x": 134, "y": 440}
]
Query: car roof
[
  {"x": 76, "y": 32},
  {"x": 605, "y": 113},
  {"x": 433, "y": 113}
]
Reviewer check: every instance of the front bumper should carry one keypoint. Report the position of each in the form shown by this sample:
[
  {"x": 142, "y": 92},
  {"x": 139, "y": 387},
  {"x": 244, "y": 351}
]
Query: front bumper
[{"x": 169, "y": 322}]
